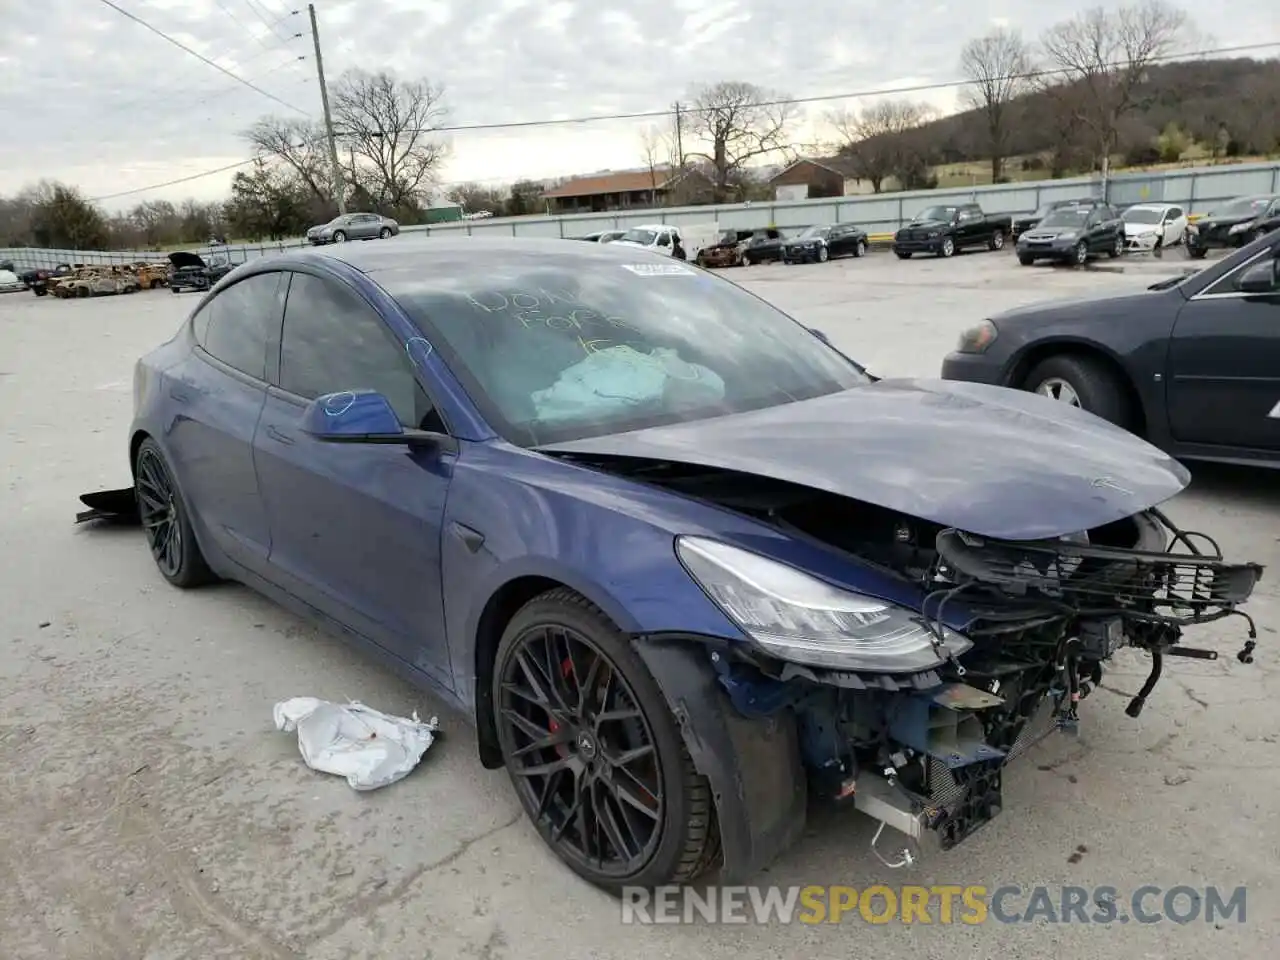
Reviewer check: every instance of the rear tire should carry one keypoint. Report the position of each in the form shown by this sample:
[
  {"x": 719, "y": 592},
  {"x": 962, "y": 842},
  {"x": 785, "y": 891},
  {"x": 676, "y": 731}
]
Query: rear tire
[
  {"x": 165, "y": 520},
  {"x": 860, "y": 249},
  {"x": 339, "y": 236},
  {"x": 1117, "y": 248},
  {"x": 997, "y": 240},
  {"x": 1081, "y": 254},
  {"x": 680, "y": 838},
  {"x": 1099, "y": 391}
]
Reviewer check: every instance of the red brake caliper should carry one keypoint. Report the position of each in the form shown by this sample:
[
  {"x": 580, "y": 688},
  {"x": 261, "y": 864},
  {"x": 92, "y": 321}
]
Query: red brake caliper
[{"x": 566, "y": 670}]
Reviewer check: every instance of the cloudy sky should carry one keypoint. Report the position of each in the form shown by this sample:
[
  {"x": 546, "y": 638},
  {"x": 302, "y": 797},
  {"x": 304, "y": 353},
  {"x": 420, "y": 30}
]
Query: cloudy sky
[{"x": 98, "y": 100}]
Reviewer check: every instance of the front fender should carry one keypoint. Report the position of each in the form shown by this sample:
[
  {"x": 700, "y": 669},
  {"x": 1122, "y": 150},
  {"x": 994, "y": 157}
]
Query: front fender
[{"x": 752, "y": 765}]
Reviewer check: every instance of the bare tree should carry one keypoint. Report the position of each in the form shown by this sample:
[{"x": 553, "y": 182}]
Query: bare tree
[
  {"x": 998, "y": 68},
  {"x": 386, "y": 127},
  {"x": 735, "y": 122},
  {"x": 1106, "y": 55},
  {"x": 881, "y": 141},
  {"x": 655, "y": 149},
  {"x": 301, "y": 146}
]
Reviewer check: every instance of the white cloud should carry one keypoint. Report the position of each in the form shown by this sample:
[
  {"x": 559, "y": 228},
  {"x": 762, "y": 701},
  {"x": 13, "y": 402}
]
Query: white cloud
[{"x": 104, "y": 103}]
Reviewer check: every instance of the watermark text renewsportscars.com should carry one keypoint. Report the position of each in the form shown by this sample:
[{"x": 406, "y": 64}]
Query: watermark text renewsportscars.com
[{"x": 939, "y": 904}]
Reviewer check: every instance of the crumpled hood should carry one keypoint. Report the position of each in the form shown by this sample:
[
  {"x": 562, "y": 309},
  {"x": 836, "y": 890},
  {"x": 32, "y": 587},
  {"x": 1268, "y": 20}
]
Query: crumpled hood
[
  {"x": 988, "y": 460},
  {"x": 1138, "y": 229}
]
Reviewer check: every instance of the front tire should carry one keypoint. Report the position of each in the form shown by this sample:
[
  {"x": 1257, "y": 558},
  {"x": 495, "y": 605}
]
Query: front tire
[
  {"x": 1026, "y": 261},
  {"x": 948, "y": 247},
  {"x": 384, "y": 233},
  {"x": 860, "y": 250},
  {"x": 165, "y": 520},
  {"x": 339, "y": 236},
  {"x": 1081, "y": 382},
  {"x": 593, "y": 751},
  {"x": 1081, "y": 254},
  {"x": 1117, "y": 248},
  {"x": 903, "y": 254},
  {"x": 823, "y": 255}
]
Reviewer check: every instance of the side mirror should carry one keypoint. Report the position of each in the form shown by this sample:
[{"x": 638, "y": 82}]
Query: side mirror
[
  {"x": 1260, "y": 278},
  {"x": 820, "y": 335},
  {"x": 354, "y": 416}
]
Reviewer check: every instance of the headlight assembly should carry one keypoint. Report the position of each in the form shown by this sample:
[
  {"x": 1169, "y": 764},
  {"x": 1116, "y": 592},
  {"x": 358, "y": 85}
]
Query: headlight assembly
[
  {"x": 798, "y": 618},
  {"x": 977, "y": 338}
]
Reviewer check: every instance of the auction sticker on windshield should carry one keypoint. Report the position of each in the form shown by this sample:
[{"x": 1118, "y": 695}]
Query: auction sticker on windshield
[{"x": 659, "y": 270}]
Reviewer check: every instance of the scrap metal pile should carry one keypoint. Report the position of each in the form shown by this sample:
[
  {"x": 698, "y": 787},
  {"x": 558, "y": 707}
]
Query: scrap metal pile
[{"x": 83, "y": 280}]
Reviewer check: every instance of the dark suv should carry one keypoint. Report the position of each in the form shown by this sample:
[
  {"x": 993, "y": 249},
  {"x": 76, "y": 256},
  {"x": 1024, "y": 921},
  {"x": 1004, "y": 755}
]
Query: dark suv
[{"x": 1073, "y": 234}]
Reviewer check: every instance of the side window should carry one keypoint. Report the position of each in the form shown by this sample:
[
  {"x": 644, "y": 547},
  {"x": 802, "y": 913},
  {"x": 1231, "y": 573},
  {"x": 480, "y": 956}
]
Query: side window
[
  {"x": 1231, "y": 282},
  {"x": 1174, "y": 213},
  {"x": 332, "y": 340},
  {"x": 664, "y": 239},
  {"x": 236, "y": 325}
]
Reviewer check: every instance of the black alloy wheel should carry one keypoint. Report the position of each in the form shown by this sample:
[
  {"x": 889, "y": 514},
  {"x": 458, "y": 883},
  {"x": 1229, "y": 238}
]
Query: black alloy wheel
[
  {"x": 593, "y": 751},
  {"x": 164, "y": 520}
]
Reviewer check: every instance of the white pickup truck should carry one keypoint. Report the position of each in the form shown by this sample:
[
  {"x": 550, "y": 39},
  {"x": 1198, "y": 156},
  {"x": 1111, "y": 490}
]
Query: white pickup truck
[{"x": 662, "y": 237}]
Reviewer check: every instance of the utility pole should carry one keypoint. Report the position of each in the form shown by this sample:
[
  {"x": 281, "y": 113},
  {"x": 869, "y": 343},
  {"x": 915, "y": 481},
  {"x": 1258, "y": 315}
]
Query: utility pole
[
  {"x": 679, "y": 138},
  {"x": 339, "y": 194}
]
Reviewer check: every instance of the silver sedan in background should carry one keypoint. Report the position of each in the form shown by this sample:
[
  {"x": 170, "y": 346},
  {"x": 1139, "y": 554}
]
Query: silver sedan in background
[{"x": 353, "y": 226}]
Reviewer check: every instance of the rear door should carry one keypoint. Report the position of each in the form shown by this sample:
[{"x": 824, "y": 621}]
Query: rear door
[
  {"x": 219, "y": 392},
  {"x": 355, "y": 528},
  {"x": 1224, "y": 364}
]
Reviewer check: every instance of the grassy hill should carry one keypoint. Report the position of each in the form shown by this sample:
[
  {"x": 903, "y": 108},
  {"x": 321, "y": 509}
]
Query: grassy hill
[{"x": 1187, "y": 114}]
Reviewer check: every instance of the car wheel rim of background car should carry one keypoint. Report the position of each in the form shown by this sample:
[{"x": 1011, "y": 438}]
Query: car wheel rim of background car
[
  {"x": 997, "y": 241},
  {"x": 1082, "y": 252},
  {"x": 158, "y": 509},
  {"x": 581, "y": 750},
  {"x": 822, "y": 254},
  {"x": 339, "y": 237},
  {"x": 948, "y": 247},
  {"x": 862, "y": 248},
  {"x": 1055, "y": 388}
]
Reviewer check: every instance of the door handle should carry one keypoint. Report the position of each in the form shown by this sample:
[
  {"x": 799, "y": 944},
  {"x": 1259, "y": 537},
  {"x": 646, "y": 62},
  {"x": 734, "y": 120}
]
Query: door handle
[{"x": 275, "y": 434}]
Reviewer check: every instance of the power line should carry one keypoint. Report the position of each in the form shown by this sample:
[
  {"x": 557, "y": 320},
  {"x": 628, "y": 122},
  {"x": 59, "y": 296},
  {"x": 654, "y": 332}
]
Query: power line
[
  {"x": 200, "y": 56},
  {"x": 656, "y": 114},
  {"x": 261, "y": 16}
]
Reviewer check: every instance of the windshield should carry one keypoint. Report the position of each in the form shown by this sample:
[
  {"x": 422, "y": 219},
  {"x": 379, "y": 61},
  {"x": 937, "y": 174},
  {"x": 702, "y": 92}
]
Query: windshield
[
  {"x": 1241, "y": 207},
  {"x": 554, "y": 348},
  {"x": 814, "y": 231},
  {"x": 1066, "y": 217},
  {"x": 1142, "y": 215},
  {"x": 936, "y": 213},
  {"x": 645, "y": 237}
]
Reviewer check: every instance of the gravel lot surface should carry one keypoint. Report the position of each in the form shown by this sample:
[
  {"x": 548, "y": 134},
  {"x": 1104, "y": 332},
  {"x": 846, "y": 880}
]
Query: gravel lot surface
[{"x": 151, "y": 809}]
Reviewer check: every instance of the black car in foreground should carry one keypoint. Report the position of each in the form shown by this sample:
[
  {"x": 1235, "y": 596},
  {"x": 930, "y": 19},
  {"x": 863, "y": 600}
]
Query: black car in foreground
[
  {"x": 1073, "y": 234},
  {"x": 1234, "y": 224},
  {"x": 1192, "y": 364},
  {"x": 190, "y": 271},
  {"x": 820, "y": 242}
]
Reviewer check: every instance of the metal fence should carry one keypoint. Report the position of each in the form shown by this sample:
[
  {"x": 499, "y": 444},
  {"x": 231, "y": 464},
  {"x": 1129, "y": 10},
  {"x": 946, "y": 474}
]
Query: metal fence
[{"x": 1197, "y": 189}]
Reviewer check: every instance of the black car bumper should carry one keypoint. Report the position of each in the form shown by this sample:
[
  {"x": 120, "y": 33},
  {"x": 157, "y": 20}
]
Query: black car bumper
[
  {"x": 1058, "y": 250},
  {"x": 800, "y": 254},
  {"x": 973, "y": 368},
  {"x": 932, "y": 245}
]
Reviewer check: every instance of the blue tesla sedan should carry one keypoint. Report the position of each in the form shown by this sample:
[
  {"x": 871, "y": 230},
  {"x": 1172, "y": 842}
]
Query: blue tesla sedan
[{"x": 683, "y": 562}]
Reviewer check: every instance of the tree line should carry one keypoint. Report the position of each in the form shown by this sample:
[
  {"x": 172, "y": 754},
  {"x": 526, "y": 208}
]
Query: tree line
[{"x": 1092, "y": 89}]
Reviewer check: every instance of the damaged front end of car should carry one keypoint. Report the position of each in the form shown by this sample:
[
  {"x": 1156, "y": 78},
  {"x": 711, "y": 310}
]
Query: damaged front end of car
[{"x": 918, "y": 734}]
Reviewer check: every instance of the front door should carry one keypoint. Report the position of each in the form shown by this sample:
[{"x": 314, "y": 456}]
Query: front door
[
  {"x": 1224, "y": 364},
  {"x": 355, "y": 528}
]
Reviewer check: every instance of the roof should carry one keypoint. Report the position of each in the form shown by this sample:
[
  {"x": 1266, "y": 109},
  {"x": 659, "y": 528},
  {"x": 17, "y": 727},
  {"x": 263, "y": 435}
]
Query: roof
[
  {"x": 624, "y": 182},
  {"x": 840, "y": 166},
  {"x": 413, "y": 253}
]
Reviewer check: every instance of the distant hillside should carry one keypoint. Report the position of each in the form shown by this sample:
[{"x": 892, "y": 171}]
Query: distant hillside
[{"x": 1186, "y": 111}]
